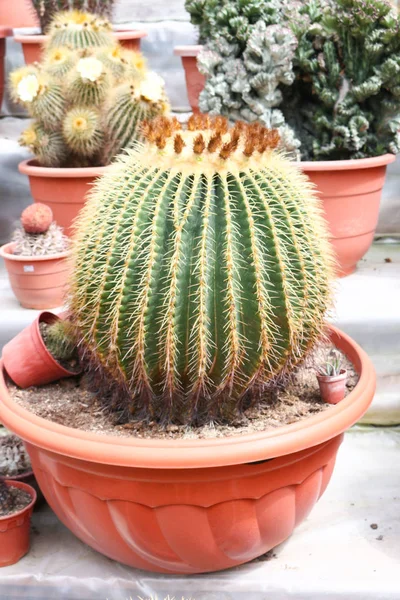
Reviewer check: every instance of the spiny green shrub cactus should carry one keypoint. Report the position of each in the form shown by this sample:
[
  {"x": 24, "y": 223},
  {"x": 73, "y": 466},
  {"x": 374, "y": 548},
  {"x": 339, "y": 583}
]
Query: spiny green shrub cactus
[
  {"x": 201, "y": 271},
  {"x": 46, "y": 10},
  {"x": 60, "y": 340},
  {"x": 87, "y": 96},
  {"x": 345, "y": 100}
]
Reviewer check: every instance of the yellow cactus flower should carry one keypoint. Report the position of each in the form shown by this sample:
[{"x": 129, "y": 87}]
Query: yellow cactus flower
[{"x": 90, "y": 68}]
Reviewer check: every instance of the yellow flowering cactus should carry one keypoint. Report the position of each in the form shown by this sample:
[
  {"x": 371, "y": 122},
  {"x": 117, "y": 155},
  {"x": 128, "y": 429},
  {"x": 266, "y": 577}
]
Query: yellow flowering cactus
[{"x": 87, "y": 96}]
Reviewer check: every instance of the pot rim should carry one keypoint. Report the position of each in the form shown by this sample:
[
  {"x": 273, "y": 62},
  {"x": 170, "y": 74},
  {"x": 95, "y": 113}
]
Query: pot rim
[
  {"x": 40, "y": 38},
  {"x": 184, "y": 454},
  {"x": 188, "y": 50},
  {"x": 5, "y": 31},
  {"x": 22, "y": 486},
  {"x": 32, "y": 169},
  {"x": 347, "y": 165},
  {"x": 332, "y": 378},
  {"x": 10, "y": 256}
]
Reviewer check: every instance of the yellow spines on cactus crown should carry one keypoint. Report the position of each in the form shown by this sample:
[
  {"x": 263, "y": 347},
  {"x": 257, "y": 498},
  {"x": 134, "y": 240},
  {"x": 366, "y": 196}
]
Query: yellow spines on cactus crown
[
  {"x": 82, "y": 131},
  {"x": 136, "y": 64}
]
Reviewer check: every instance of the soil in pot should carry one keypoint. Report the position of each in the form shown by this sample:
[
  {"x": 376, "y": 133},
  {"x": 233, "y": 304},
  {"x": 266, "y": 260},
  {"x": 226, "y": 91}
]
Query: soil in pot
[
  {"x": 19, "y": 499},
  {"x": 70, "y": 403}
]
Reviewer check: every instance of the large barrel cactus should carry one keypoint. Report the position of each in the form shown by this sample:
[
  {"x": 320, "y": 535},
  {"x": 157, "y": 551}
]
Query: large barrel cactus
[{"x": 202, "y": 271}]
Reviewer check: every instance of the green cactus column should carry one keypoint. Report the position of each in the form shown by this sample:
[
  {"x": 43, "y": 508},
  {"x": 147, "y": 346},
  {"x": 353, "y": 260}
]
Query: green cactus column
[{"x": 202, "y": 270}]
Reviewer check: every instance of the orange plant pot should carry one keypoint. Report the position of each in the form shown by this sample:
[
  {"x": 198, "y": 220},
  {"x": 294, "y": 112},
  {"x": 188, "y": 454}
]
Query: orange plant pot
[
  {"x": 351, "y": 192},
  {"x": 17, "y": 13},
  {"x": 64, "y": 190},
  {"x": 194, "y": 79},
  {"x": 33, "y": 45},
  {"x": 332, "y": 387},
  {"x": 28, "y": 361},
  {"x": 189, "y": 506},
  {"x": 37, "y": 281},
  {"x": 15, "y": 529}
]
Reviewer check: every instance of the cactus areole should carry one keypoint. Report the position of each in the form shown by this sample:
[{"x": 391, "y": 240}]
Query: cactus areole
[{"x": 202, "y": 271}]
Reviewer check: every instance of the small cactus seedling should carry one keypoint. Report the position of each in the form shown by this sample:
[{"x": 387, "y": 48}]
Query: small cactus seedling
[
  {"x": 37, "y": 218},
  {"x": 39, "y": 235},
  {"x": 333, "y": 365},
  {"x": 87, "y": 96},
  {"x": 60, "y": 340},
  {"x": 201, "y": 271}
]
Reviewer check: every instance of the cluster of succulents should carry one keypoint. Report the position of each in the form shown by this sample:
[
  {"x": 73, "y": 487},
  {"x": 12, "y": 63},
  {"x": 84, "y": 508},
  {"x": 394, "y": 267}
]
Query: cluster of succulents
[
  {"x": 47, "y": 9},
  {"x": 87, "y": 96},
  {"x": 201, "y": 271},
  {"x": 38, "y": 234},
  {"x": 325, "y": 73},
  {"x": 345, "y": 100},
  {"x": 14, "y": 459}
]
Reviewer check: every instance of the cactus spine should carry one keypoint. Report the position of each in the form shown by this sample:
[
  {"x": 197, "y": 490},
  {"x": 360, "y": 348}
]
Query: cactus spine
[
  {"x": 47, "y": 9},
  {"x": 77, "y": 95},
  {"x": 201, "y": 270}
]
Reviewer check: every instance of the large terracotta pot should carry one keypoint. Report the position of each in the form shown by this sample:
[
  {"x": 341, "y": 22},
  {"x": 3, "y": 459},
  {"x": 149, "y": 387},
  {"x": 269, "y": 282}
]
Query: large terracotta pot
[
  {"x": 15, "y": 529},
  {"x": 38, "y": 282},
  {"x": 64, "y": 190},
  {"x": 32, "y": 45},
  {"x": 351, "y": 192},
  {"x": 194, "y": 79},
  {"x": 189, "y": 506}
]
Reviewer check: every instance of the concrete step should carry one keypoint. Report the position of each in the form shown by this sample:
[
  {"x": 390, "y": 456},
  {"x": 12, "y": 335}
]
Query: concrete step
[{"x": 335, "y": 554}]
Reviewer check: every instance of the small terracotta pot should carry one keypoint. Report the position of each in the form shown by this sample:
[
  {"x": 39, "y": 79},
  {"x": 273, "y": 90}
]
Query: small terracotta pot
[
  {"x": 194, "y": 79},
  {"x": 38, "y": 282},
  {"x": 351, "y": 192},
  {"x": 33, "y": 45},
  {"x": 189, "y": 506},
  {"x": 27, "y": 359},
  {"x": 64, "y": 190},
  {"x": 332, "y": 388},
  {"x": 15, "y": 529},
  {"x": 4, "y": 32}
]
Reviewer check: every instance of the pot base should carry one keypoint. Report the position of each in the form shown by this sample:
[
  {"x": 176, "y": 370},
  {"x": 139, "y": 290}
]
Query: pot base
[{"x": 185, "y": 521}]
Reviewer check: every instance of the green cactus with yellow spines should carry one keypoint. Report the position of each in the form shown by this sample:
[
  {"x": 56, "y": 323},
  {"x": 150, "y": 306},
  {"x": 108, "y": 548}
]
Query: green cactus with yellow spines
[
  {"x": 79, "y": 30},
  {"x": 201, "y": 271},
  {"x": 71, "y": 96}
]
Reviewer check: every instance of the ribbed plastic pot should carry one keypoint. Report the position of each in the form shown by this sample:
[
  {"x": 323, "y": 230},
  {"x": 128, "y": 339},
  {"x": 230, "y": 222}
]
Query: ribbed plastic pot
[
  {"x": 32, "y": 45},
  {"x": 38, "y": 282},
  {"x": 351, "y": 192},
  {"x": 15, "y": 529},
  {"x": 64, "y": 190},
  {"x": 189, "y": 506},
  {"x": 27, "y": 360},
  {"x": 194, "y": 79}
]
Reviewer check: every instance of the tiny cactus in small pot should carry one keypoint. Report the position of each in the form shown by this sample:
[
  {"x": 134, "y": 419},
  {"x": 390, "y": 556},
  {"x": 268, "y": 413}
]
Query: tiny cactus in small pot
[
  {"x": 43, "y": 352},
  {"x": 332, "y": 379},
  {"x": 36, "y": 259},
  {"x": 201, "y": 271}
]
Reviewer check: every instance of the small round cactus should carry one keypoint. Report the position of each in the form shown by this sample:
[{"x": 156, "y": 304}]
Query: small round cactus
[
  {"x": 202, "y": 271},
  {"x": 37, "y": 218}
]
